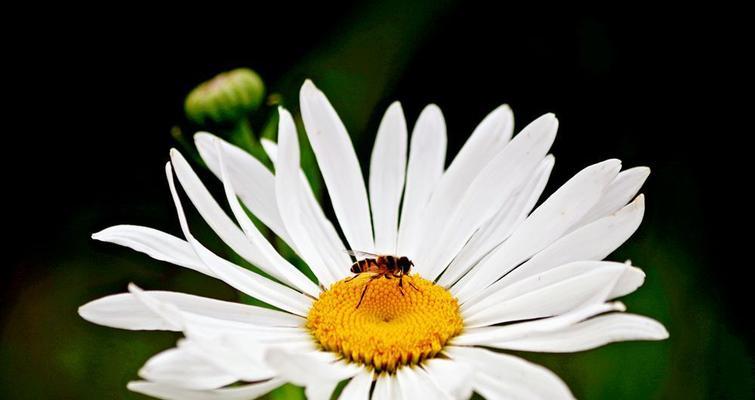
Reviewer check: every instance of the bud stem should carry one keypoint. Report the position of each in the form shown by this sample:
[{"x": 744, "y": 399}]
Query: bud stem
[{"x": 243, "y": 136}]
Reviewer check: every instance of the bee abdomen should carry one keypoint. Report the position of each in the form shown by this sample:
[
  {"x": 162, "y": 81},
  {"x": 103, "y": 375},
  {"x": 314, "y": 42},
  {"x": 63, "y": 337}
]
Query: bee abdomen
[{"x": 360, "y": 266}]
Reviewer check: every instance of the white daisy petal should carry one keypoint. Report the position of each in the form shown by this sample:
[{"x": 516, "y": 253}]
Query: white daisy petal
[
  {"x": 500, "y": 226},
  {"x": 339, "y": 166},
  {"x": 358, "y": 387},
  {"x": 489, "y": 138},
  {"x": 387, "y": 388},
  {"x": 618, "y": 193},
  {"x": 550, "y": 293},
  {"x": 261, "y": 333},
  {"x": 252, "y": 284},
  {"x": 490, "y": 335},
  {"x": 167, "y": 392},
  {"x": 497, "y": 181},
  {"x": 253, "y": 182},
  {"x": 590, "y": 334},
  {"x": 545, "y": 225},
  {"x": 320, "y": 390},
  {"x": 274, "y": 263},
  {"x": 271, "y": 149},
  {"x": 594, "y": 241},
  {"x": 387, "y": 170},
  {"x": 178, "y": 367},
  {"x": 331, "y": 245},
  {"x": 203, "y": 327},
  {"x": 240, "y": 278},
  {"x": 406, "y": 383},
  {"x": 126, "y": 312},
  {"x": 501, "y": 376},
  {"x": 628, "y": 282},
  {"x": 415, "y": 384},
  {"x": 299, "y": 221},
  {"x": 309, "y": 368},
  {"x": 452, "y": 377},
  {"x": 427, "y": 157},
  {"x": 156, "y": 244},
  {"x": 170, "y": 314},
  {"x": 239, "y": 355},
  {"x": 212, "y": 213}
]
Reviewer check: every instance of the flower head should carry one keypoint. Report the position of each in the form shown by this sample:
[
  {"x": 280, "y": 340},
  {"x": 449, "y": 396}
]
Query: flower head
[{"x": 487, "y": 271}]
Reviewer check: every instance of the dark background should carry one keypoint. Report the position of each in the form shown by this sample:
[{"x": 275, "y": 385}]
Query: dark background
[{"x": 92, "y": 102}]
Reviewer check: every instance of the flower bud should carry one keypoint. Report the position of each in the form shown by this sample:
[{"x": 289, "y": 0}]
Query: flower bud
[{"x": 226, "y": 98}]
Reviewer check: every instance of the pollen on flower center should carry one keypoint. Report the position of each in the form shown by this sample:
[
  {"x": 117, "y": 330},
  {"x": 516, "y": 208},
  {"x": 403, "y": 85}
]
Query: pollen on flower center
[{"x": 388, "y": 329}]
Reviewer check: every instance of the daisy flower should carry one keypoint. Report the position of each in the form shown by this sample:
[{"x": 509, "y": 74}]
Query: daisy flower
[{"x": 489, "y": 273}]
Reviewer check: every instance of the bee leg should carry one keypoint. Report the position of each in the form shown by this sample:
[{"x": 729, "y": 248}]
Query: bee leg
[
  {"x": 365, "y": 289},
  {"x": 412, "y": 285},
  {"x": 363, "y": 292},
  {"x": 352, "y": 278},
  {"x": 401, "y": 285}
]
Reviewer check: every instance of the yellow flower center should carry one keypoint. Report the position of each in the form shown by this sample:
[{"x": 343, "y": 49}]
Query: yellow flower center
[{"x": 388, "y": 329}]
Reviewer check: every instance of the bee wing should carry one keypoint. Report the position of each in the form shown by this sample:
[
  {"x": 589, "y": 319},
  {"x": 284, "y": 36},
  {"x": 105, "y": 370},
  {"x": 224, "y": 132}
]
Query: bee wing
[{"x": 361, "y": 254}]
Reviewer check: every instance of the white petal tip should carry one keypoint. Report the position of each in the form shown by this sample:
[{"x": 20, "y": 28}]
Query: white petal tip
[
  {"x": 308, "y": 85},
  {"x": 84, "y": 312},
  {"x": 639, "y": 272},
  {"x": 503, "y": 111},
  {"x": 143, "y": 372},
  {"x": 641, "y": 171},
  {"x": 283, "y": 113},
  {"x": 432, "y": 107},
  {"x": 663, "y": 333},
  {"x": 203, "y": 135},
  {"x": 202, "y": 140},
  {"x": 654, "y": 330},
  {"x": 611, "y": 163},
  {"x": 644, "y": 170},
  {"x": 89, "y": 312},
  {"x": 136, "y": 386},
  {"x": 547, "y": 121}
]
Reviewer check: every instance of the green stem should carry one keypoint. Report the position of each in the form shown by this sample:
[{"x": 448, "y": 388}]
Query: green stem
[{"x": 242, "y": 135}]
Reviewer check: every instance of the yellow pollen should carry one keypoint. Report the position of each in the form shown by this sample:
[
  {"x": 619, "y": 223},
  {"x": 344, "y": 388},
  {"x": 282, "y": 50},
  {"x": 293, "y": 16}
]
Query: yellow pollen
[{"x": 388, "y": 329}]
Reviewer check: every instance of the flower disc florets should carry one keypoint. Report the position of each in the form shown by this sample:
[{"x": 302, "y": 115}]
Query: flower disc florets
[{"x": 388, "y": 329}]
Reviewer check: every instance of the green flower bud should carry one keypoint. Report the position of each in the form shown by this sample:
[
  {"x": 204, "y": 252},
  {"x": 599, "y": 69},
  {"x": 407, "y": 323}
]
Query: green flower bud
[{"x": 226, "y": 98}]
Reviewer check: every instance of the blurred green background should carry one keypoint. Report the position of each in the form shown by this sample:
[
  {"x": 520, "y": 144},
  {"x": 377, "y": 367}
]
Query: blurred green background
[{"x": 101, "y": 97}]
